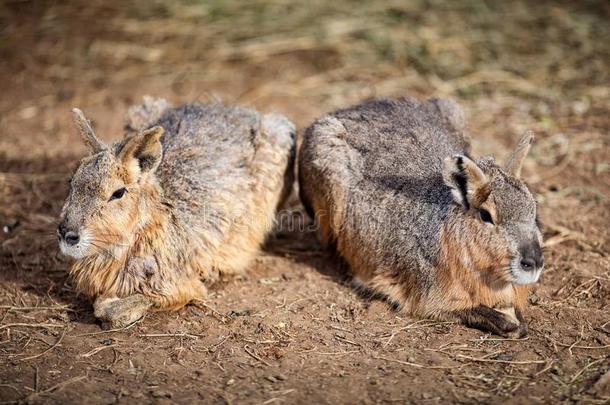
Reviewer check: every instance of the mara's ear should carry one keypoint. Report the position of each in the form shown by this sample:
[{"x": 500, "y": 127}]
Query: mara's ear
[
  {"x": 142, "y": 153},
  {"x": 469, "y": 185},
  {"x": 84, "y": 127},
  {"x": 515, "y": 160}
]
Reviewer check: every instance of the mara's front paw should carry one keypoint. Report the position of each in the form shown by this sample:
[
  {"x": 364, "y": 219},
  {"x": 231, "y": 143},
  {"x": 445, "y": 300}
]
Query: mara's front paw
[
  {"x": 118, "y": 313},
  {"x": 504, "y": 322},
  {"x": 515, "y": 317}
]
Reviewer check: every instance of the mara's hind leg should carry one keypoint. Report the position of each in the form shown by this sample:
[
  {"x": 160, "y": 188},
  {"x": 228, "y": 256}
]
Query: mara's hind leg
[
  {"x": 370, "y": 293},
  {"x": 325, "y": 233},
  {"x": 506, "y": 322},
  {"x": 326, "y": 165}
]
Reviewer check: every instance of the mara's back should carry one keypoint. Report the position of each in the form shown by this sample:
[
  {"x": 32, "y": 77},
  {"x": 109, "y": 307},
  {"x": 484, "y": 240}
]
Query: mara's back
[
  {"x": 208, "y": 150},
  {"x": 404, "y": 138},
  {"x": 225, "y": 170},
  {"x": 379, "y": 167}
]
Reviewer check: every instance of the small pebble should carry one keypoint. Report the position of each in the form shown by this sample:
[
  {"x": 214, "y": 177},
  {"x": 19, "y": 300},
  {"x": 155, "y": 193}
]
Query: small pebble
[
  {"x": 8, "y": 228},
  {"x": 241, "y": 312},
  {"x": 158, "y": 393}
]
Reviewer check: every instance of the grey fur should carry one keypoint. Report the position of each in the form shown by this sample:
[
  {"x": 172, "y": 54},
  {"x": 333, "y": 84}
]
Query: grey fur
[
  {"x": 202, "y": 189},
  {"x": 376, "y": 171}
]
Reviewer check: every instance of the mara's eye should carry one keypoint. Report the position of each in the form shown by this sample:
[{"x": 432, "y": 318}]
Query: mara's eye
[
  {"x": 485, "y": 216},
  {"x": 118, "y": 194}
]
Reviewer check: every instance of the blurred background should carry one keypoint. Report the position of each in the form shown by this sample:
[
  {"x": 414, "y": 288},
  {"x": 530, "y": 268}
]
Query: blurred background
[{"x": 513, "y": 65}]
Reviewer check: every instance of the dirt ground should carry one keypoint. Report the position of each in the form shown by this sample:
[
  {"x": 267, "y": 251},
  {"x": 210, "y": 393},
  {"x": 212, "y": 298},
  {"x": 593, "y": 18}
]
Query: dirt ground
[{"x": 291, "y": 331}]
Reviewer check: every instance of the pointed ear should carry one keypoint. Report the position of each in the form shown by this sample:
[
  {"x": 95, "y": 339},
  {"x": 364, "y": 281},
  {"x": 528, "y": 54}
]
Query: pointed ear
[
  {"x": 515, "y": 160},
  {"x": 142, "y": 153},
  {"x": 84, "y": 127},
  {"x": 469, "y": 185}
]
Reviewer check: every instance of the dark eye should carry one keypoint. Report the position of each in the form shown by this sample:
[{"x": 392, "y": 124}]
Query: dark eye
[
  {"x": 118, "y": 194},
  {"x": 485, "y": 216}
]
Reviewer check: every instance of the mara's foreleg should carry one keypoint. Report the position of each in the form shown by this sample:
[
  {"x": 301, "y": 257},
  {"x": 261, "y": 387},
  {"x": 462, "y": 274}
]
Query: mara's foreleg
[
  {"x": 506, "y": 322},
  {"x": 120, "y": 312},
  {"x": 156, "y": 295}
]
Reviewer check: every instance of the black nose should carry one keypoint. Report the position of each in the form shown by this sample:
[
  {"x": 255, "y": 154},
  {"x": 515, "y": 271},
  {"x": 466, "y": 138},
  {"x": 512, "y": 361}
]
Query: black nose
[
  {"x": 71, "y": 238},
  {"x": 531, "y": 256},
  {"x": 528, "y": 264}
]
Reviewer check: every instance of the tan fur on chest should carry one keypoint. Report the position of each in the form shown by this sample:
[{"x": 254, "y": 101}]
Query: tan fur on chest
[
  {"x": 149, "y": 267},
  {"x": 468, "y": 277}
]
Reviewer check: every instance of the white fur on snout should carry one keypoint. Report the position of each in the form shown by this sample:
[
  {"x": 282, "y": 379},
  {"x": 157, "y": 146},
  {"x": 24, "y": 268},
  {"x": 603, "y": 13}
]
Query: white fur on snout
[
  {"x": 79, "y": 250},
  {"x": 521, "y": 276}
]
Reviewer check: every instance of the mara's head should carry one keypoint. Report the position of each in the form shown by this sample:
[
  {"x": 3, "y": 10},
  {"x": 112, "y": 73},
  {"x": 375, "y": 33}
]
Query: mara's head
[
  {"x": 107, "y": 201},
  {"x": 500, "y": 212}
]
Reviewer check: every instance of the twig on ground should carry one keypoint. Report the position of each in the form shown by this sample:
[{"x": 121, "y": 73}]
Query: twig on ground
[
  {"x": 255, "y": 356},
  {"x": 545, "y": 369},
  {"x": 422, "y": 323},
  {"x": 50, "y": 308},
  {"x": 56, "y": 387},
  {"x": 161, "y": 335},
  {"x": 57, "y": 343},
  {"x": 485, "y": 360},
  {"x": 36, "y": 379},
  {"x": 500, "y": 340},
  {"x": 344, "y": 340},
  {"x": 575, "y": 345},
  {"x": 215, "y": 346},
  {"x": 97, "y": 350},
  {"x": 582, "y": 370},
  {"x": 416, "y": 365},
  {"x": 131, "y": 325},
  {"x": 334, "y": 353},
  {"x": 11, "y": 387},
  {"x": 219, "y": 316},
  {"x": 31, "y": 325}
]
